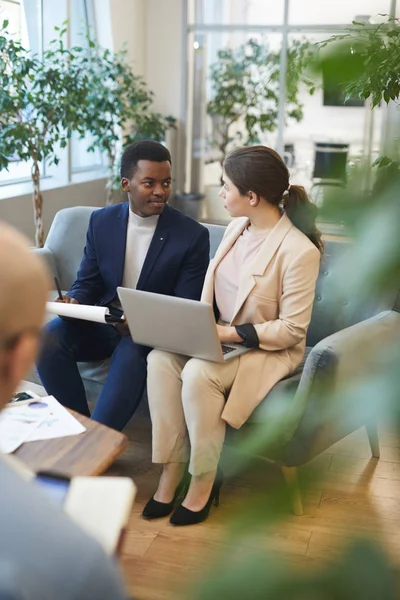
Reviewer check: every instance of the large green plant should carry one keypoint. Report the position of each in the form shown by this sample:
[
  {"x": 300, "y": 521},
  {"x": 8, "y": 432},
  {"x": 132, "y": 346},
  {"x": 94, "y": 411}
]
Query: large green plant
[
  {"x": 118, "y": 107},
  {"x": 42, "y": 100},
  {"x": 373, "y": 71},
  {"x": 245, "y": 92}
]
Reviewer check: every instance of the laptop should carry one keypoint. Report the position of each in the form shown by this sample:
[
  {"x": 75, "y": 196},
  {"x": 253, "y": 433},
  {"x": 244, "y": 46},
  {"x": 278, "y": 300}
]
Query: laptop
[{"x": 176, "y": 325}]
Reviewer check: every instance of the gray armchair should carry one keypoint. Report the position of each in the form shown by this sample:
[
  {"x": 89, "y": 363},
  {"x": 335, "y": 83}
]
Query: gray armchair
[{"x": 305, "y": 425}]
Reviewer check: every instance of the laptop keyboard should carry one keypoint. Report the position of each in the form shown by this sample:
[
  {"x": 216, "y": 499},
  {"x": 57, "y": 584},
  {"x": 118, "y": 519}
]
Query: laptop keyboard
[{"x": 227, "y": 349}]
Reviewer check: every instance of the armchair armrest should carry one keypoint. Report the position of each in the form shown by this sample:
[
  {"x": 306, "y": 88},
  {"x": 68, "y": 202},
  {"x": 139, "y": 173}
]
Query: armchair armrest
[
  {"x": 49, "y": 259},
  {"x": 336, "y": 352},
  {"x": 319, "y": 418}
]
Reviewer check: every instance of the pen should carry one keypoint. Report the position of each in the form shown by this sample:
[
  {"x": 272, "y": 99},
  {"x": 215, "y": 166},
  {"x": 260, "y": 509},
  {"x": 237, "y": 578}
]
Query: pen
[{"x": 58, "y": 288}]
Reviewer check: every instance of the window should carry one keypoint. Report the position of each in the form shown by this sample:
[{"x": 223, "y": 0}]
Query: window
[
  {"x": 237, "y": 12},
  {"x": 81, "y": 25},
  {"x": 215, "y": 25},
  {"x": 33, "y": 22},
  {"x": 341, "y": 12},
  {"x": 10, "y": 10},
  {"x": 16, "y": 14}
]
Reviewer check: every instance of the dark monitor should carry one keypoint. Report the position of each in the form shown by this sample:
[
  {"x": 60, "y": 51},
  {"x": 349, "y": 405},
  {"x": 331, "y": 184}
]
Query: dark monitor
[
  {"x": 335, "y": 96},
  {"x": 334, "y": 90},
  {"x": 330, "y": 161}
]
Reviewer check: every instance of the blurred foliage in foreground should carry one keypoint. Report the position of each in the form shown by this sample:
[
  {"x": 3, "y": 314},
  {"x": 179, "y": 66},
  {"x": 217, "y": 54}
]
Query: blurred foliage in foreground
[
  {"x": 368, "y": 59},
  {"x": 370, "y": 384},
  {"x": 361, "y": 572}
]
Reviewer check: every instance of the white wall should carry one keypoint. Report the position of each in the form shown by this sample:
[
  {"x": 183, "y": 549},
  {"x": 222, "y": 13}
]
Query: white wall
[
  {"x": 166, "y": 57},
  {"x": 164, "y": 52},
  {"x": 128, "y": 26},
  {"x": 152, "y": 31}
]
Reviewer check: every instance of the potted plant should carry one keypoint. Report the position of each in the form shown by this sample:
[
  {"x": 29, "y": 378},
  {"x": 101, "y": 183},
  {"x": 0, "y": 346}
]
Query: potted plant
[
  {"x": 245, "y": 94},
  {"x": 41, "y": 103}
]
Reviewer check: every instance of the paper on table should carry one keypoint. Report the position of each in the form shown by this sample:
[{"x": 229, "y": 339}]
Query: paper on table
[
  {"x": 58, "y": 422},
  {"x": 79, "y": 311},
  {"x": 17, "y": 424}
]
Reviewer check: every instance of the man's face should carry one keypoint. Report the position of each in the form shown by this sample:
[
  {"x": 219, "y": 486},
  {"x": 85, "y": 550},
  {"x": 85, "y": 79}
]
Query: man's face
[{"x": 150, "y": 187}]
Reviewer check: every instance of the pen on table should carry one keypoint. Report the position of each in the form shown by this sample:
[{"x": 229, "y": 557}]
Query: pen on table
[{"x": 58, "y": 288}]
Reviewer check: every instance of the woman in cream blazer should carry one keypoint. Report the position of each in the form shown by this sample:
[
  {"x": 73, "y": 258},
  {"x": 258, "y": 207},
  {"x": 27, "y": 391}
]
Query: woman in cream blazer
[{"x": 262, "y": 283}]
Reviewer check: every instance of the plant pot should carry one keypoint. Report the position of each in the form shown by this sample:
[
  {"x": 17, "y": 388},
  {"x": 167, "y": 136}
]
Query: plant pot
[{"x": 191, "y": 205}]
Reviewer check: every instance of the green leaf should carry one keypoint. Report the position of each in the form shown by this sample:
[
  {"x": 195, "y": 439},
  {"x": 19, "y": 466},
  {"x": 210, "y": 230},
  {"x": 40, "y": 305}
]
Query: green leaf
[
  {"x": 382, "y": 161},
  {"x": 5, "y": 23}
]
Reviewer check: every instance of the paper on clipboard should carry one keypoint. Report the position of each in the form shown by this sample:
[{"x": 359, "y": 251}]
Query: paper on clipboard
[{"x": 85, "y": 312}]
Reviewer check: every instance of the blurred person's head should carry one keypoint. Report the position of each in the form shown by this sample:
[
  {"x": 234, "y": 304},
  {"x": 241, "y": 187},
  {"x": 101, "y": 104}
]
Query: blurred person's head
[
  {"x": 256, "y": 179},
  {"x": 23, "y": 294},
  {"x": 146, "y": 177}
]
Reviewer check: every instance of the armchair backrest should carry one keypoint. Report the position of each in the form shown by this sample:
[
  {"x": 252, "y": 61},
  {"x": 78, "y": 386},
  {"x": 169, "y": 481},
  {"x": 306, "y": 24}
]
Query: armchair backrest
[
  {"x": 67, "y": 236},
  {"x": 333, "y": 312},
  {"x": 66, "y": 239},
  {"x": 216, "y": 235}
]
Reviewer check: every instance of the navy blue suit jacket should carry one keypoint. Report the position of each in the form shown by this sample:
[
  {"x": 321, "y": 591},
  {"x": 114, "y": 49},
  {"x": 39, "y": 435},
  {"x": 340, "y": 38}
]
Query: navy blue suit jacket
[{"x": 175, "y": 264}]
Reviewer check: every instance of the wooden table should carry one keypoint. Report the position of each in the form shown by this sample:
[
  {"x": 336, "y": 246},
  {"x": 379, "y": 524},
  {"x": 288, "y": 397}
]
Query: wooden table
[{"x": 88, "y": 453}]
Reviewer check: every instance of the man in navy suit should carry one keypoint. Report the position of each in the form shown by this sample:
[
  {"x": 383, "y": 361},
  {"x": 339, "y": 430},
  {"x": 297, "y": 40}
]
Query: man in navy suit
[{"x": 143, "y": 244}]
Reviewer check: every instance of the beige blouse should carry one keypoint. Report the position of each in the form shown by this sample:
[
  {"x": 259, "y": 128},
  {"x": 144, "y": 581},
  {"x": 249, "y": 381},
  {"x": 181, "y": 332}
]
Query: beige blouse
[{"x": 229, "y": 271}]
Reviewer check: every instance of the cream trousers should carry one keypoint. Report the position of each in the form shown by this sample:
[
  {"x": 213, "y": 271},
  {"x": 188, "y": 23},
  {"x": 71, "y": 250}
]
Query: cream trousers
[{"x": 186, "y": 400}]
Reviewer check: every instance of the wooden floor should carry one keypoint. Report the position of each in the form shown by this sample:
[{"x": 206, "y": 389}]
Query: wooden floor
[{"x": 349, "y": 492}]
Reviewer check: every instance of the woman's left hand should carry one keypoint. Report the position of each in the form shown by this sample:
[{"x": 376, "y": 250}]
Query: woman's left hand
[{"x": 228, "y": 334}]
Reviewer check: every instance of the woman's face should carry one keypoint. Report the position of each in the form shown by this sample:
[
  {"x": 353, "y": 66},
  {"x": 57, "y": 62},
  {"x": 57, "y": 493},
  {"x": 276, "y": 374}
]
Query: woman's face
[{"x": 236, "y": 204}]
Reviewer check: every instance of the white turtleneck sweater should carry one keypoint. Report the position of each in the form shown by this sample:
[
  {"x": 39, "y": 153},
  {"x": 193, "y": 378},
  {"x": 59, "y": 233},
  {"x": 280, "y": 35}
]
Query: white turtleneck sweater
[{"x": 139, "y": 235}]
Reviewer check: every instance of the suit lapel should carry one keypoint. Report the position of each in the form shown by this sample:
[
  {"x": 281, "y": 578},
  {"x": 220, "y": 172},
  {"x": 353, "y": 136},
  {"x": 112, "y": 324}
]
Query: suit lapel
[
  {"x": 157, "y": 244},
  {"x": 259, "y": 265},
  {"x": 119, "y": 238}
]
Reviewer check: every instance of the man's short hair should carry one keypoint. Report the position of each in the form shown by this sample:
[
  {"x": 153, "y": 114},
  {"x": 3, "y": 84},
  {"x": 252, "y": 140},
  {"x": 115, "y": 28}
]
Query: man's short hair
[{"x": 144, "y": 150}]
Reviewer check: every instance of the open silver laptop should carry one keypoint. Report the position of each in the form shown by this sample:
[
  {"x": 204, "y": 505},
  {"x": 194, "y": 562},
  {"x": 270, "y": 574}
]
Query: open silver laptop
[{"x": 175, "y": 324}]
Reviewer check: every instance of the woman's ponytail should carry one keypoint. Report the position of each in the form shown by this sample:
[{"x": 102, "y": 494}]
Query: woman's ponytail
[{"x": 302, "y": 212}]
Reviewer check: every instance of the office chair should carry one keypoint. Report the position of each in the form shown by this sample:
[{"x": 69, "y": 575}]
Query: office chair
[{"x": 330, "y": 168}]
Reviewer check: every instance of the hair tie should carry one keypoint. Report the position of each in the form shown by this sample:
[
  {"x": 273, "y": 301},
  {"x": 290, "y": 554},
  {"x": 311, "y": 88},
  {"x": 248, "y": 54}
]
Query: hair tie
[{"x": 286, "y": 192}]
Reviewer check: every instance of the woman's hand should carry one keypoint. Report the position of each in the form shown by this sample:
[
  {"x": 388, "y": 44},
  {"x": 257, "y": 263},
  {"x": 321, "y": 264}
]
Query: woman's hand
[{"x": 228, "y": 334}]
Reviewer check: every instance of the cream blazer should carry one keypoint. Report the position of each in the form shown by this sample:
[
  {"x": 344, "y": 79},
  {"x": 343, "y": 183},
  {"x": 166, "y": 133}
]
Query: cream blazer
[{"x": 276, "y": 295}]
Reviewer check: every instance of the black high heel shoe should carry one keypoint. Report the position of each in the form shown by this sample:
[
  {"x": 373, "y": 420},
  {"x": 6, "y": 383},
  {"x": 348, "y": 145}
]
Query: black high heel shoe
[
  {"x": 158, "y": 510},
  {"x": 184, "y": 516}
]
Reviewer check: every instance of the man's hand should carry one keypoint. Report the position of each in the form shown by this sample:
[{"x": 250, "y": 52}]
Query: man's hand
[
  {"x": 228, "y": 334},
  {"x": 66, "y": 300},
  {"x": 122, "y": 328}
]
